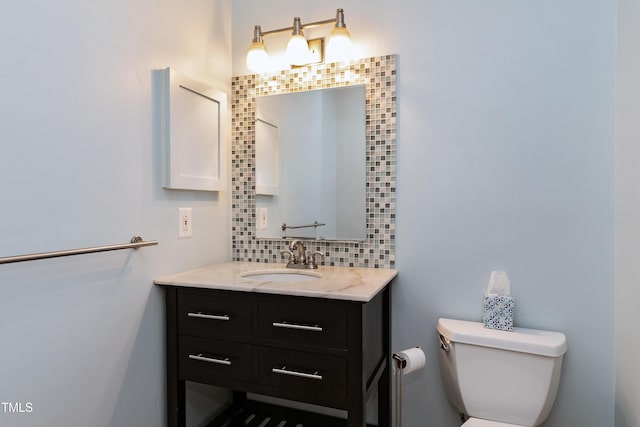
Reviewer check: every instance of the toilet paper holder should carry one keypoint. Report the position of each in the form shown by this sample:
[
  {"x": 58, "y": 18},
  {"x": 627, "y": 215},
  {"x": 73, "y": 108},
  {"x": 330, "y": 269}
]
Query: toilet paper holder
[{"x": 401, "y": 363}]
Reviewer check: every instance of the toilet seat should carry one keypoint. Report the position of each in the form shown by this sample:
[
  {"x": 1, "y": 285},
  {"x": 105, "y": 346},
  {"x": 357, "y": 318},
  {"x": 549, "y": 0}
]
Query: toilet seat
[{"x": 477, "y": 422}]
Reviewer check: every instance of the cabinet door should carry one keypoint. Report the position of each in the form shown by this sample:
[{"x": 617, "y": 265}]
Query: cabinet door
[{"x": 190, "y": 125}]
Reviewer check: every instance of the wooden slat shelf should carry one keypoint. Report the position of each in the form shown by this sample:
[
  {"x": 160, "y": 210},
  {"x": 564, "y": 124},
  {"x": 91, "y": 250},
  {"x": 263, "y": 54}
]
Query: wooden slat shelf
[{"x": 253, "y": 414}]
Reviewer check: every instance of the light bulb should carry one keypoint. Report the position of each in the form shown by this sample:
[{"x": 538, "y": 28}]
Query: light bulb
[
  {"x": 257, "y": 57},
  {"x": 339, "y": 47},
  {"x": 298, "y": 50}
]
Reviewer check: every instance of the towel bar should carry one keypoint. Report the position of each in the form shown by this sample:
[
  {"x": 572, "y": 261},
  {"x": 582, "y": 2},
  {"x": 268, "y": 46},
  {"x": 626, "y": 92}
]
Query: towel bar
[{"x": 135, "y": 243}]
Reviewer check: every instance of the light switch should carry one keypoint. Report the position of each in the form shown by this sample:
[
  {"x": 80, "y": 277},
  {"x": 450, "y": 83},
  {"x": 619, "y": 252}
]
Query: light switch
[
  {"x": 263, "y": 220},
  {"x": 184, "y": 222}
]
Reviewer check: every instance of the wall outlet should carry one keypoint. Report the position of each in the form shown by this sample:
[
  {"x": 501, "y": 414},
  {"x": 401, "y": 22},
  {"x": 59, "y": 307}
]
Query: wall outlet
[
  {"x": 184, "y": 222},
  {"x": 263, "y": 220}
]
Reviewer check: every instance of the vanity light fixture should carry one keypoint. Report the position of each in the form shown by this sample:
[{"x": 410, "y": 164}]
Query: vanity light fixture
[
  {"x": 338, "y": 48},
  {"x": 257, "y": 56},
  {"x": 297, "y": 48}
]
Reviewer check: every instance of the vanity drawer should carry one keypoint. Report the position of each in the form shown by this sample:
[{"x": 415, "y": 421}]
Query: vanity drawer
[
  {"x": 222, "y": 359},
  {"x": 213, "y": 315},
  {"x": 306, "y": 322},
  {"x": 319, "y": 377}
]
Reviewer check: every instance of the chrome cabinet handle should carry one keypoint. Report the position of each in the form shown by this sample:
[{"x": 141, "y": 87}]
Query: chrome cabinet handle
[
  {"x": 286, "y": 325},
  {"x": 285, "y": 371},
  {"x": 202, "y": 358},
  {"x": 201, "y": 315}
]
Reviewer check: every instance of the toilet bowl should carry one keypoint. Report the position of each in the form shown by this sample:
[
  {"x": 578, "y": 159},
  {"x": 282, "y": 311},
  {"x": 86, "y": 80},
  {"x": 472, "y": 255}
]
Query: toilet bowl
[{"x": 500, "y": 378}]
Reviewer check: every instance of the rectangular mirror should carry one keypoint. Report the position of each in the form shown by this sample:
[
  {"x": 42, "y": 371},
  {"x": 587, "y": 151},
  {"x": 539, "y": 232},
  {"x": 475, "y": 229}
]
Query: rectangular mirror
[
  {"x": 250, "y": 187},
  {"x": 310, "y": 164}
]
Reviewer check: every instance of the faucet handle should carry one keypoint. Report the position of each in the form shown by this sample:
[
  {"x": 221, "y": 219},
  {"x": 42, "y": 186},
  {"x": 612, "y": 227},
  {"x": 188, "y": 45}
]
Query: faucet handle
[
  {"x": 287, "y": 252},
  {"x": 312, "y": 258}
]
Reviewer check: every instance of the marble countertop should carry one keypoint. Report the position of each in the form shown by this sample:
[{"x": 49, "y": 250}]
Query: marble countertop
[{"x": 344, "y": 283}]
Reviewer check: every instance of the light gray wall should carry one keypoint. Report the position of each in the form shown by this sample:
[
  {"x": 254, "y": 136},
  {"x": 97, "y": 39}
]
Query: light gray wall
[
  {"x": 627, "y": 214},
  {"x": 83, "y": 337},
  {"x": 505, "y": 162}
]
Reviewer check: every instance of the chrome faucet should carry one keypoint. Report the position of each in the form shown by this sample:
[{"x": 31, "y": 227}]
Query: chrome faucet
[
  {"x": 298, "y": 256},
  {"x": 299, "y": 251}
]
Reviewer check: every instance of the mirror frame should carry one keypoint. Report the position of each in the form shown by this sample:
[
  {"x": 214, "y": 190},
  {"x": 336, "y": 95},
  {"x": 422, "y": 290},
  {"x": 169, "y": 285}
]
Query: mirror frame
[{"x": 378, "y": 75}]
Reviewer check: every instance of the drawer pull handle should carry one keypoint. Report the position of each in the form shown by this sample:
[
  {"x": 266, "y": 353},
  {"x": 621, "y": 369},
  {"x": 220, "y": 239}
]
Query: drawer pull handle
[
  {"x": 201, "y": 315},
  {"x": 285, "y": 371},
  {"x": 283, "y": 324},
  {"x": 202, "y": 358}
]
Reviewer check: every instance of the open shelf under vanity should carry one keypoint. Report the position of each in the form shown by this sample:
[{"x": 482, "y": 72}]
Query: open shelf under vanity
[{"x": 252, "y": 413}]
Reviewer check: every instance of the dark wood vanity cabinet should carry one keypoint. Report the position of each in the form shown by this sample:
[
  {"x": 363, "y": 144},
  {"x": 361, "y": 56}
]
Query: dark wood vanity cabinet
[{"x": 327, "y": 352}]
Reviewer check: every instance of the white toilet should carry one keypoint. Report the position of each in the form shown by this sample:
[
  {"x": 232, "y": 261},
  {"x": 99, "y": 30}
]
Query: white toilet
[{"x": 499, "y": 378}]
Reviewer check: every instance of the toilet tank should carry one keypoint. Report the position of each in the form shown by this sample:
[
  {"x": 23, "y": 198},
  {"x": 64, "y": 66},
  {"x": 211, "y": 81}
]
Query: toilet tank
[{"x": 510, "y": 377}]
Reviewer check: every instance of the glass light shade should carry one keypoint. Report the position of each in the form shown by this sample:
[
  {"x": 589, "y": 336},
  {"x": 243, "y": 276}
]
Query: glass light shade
[
  {"x": 257, "y": 57},
  {"x": 339, "y": 47},
  {"x": 298, "y": 50}
]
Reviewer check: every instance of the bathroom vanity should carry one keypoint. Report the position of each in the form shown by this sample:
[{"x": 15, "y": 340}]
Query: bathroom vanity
[{"x": 320, "y": 337}]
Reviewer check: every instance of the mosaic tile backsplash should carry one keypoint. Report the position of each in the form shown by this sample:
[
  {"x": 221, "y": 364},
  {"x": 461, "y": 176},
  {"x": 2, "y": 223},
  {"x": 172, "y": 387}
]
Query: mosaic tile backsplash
[{"x": 378, "y": 74}]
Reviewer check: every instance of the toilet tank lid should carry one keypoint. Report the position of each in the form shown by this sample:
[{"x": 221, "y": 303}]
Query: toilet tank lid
[{"x": 545, "y": 343}]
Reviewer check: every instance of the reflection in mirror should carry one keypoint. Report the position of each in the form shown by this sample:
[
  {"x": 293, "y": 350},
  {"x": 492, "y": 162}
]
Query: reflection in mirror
[{"x": 310, "y": 164}]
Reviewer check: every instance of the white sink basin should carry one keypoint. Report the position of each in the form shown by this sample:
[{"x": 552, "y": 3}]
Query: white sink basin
[{"x": 281, "y": 275}]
